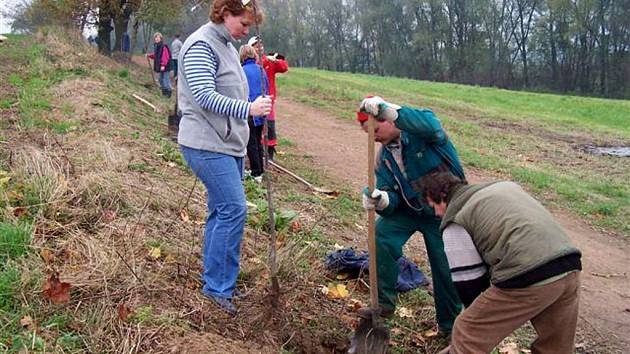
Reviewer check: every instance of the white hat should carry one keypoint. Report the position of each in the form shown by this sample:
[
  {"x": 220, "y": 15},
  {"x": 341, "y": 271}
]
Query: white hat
[{"x": 252, "y": 41}]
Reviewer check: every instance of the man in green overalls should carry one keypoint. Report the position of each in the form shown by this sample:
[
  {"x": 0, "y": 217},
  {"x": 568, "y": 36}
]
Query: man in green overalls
[{"x": 413, "y": 145}]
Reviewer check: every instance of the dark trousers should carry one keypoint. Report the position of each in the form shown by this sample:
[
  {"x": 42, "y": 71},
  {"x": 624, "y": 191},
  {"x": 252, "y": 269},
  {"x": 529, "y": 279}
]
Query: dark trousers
[
  {"x": 174, "y": 68},
  {"x": 272, "y": 139},
  {"x": 392, "y": 233},
  {"x": 255, "y": 149}
]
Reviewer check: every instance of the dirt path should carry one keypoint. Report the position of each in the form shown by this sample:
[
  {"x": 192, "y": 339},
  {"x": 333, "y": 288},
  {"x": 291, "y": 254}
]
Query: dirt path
[{"x": 340, "y": 148}]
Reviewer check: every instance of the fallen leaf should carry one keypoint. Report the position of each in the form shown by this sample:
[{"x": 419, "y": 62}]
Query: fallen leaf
[
  {"x": 109, "y": 215},
  {"x": 170, "y": 259},
  {"x": 26, "y": 322},
  {"x": 508, "y": 348},
  {"x": 171, "y": 164},
  {"x": 430, "y": 333},
  {"x": 354, "y": 304},
  {"x": 124, "y": 312},
  {"x": 155, "y": 253},
  {"x": 56, "y": 291},
  {"x": 526, "y": 351},
  {"x": 19, "y": 212},
  {"x": 324, "y": 289},
  {"x": 417, "y": 340},
  {"x": 404, "y": 312},
  {"x": 337, "y": 291},
  {"x": 338, "y": 247},
  {"x": 295, "y": 226},
  {"x": 184, "y": 215},
  {"x": 47, "y": 256}
]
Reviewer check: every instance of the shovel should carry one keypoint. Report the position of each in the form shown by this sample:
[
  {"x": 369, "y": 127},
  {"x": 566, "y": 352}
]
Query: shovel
[{"x": 371, "y": 336}]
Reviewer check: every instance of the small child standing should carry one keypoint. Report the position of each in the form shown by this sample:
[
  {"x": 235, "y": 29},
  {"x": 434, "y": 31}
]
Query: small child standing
[{"x": 256, "y": 80}]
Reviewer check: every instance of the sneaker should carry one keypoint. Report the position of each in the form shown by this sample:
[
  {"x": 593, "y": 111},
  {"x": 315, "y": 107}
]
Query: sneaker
[
  {"x": 224, "y": 304},
  {"x": 258, "y": 179}
]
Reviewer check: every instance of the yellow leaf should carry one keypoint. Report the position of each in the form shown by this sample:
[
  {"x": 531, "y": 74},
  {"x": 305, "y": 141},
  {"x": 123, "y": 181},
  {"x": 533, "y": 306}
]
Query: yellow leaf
[
  {"x": 155, "y": 253},
  {"x": 338, "y": 247},
  {"x": 337, "y": 291},
  {"x": 169, "y": 259}
]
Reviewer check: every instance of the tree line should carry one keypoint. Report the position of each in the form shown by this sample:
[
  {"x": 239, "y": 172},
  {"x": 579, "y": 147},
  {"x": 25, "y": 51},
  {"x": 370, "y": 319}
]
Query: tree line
[
  {"x": 576, "y": 46},
  {"x": 572, "y": 46}
]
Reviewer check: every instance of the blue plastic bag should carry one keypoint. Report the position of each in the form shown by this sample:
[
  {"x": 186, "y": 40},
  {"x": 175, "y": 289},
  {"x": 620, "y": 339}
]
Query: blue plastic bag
[{"x": 348, "y": 261}]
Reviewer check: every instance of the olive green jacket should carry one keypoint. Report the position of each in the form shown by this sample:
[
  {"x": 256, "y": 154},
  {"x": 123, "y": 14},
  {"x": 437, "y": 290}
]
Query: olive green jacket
[{"x": 512, "y": 231}]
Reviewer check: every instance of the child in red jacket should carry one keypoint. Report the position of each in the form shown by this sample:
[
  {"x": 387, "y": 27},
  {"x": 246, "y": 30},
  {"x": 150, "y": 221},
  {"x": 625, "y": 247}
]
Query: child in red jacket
[{"x": 273, "y": 63}]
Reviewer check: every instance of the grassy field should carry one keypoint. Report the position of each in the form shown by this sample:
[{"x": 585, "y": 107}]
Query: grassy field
[{"x": 535, "y": 139}]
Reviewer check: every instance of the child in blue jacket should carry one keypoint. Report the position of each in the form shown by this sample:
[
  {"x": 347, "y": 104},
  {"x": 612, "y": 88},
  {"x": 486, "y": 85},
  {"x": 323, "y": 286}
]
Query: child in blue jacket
[{"x": 254, "y": 75}]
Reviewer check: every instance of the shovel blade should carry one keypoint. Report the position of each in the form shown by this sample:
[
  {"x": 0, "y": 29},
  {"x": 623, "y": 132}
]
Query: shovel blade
[{"x": 369, "y": 339}]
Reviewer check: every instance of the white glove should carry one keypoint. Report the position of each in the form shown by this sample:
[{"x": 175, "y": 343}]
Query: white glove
[
  {"x": 379, "y": 108},
  {"x": 379, "y": 200}
]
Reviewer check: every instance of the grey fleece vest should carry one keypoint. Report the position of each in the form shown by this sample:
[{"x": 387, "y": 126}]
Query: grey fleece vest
[{"x": 203, "y": 129}]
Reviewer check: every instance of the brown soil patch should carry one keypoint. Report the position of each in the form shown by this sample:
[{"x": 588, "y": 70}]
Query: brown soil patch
[{"x": 340, "y": 148}]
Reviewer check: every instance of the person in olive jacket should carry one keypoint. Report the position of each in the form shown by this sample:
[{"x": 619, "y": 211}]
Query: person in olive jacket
[
  {"x": 413, "y": 145},
  {"x": 533, "y": 266}
]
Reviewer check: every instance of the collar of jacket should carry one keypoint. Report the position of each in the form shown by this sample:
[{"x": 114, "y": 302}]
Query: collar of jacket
[
  {"x": 457, "y": 198},
  {"x": 221, "y": 32},
  {"x": 249, "y": 61}
]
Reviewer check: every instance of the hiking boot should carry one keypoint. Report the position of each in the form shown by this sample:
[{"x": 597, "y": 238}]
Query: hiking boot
[
  {"x": 224, "y": 304},
  {"x": 366, "y": 312}
]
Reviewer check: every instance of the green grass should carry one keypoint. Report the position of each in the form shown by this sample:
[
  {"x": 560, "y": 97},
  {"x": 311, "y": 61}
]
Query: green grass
[
  {"x": 9, "y": 283},
  {"x": 14, "y": 240},
  {"x": 531, "y": 138},
  {"x": 346, "y": 90}
]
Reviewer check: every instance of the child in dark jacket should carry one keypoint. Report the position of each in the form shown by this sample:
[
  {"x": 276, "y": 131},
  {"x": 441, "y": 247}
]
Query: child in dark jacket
[{"x": 256, "y": 80}]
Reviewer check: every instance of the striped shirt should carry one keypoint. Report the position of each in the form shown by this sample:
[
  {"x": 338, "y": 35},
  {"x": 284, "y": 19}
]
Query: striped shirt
[{"x": 200, "y": 65}]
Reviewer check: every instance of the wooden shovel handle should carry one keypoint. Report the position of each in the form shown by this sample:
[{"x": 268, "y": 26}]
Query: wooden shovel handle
[{"x": 372, "y": 218}]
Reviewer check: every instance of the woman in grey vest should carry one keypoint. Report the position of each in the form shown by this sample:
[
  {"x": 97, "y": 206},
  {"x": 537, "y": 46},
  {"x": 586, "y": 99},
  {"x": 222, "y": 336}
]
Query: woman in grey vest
[{"x": 212, "y": 94}]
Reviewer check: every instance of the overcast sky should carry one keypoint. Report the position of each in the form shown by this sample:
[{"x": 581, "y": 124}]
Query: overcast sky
[{"x": 5, "y": 23}]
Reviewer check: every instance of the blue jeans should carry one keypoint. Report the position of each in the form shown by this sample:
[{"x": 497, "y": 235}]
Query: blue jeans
[
  {"x": 227, "y": 211},
  {"x": 165, "y": 81}
]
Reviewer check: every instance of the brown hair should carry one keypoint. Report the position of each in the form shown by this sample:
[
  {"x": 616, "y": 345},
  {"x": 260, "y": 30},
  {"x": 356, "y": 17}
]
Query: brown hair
[
  {"x": 437, "y": 185},
  {"x": 246, "y": 52},
  {"x": 236, "y": 8}
]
